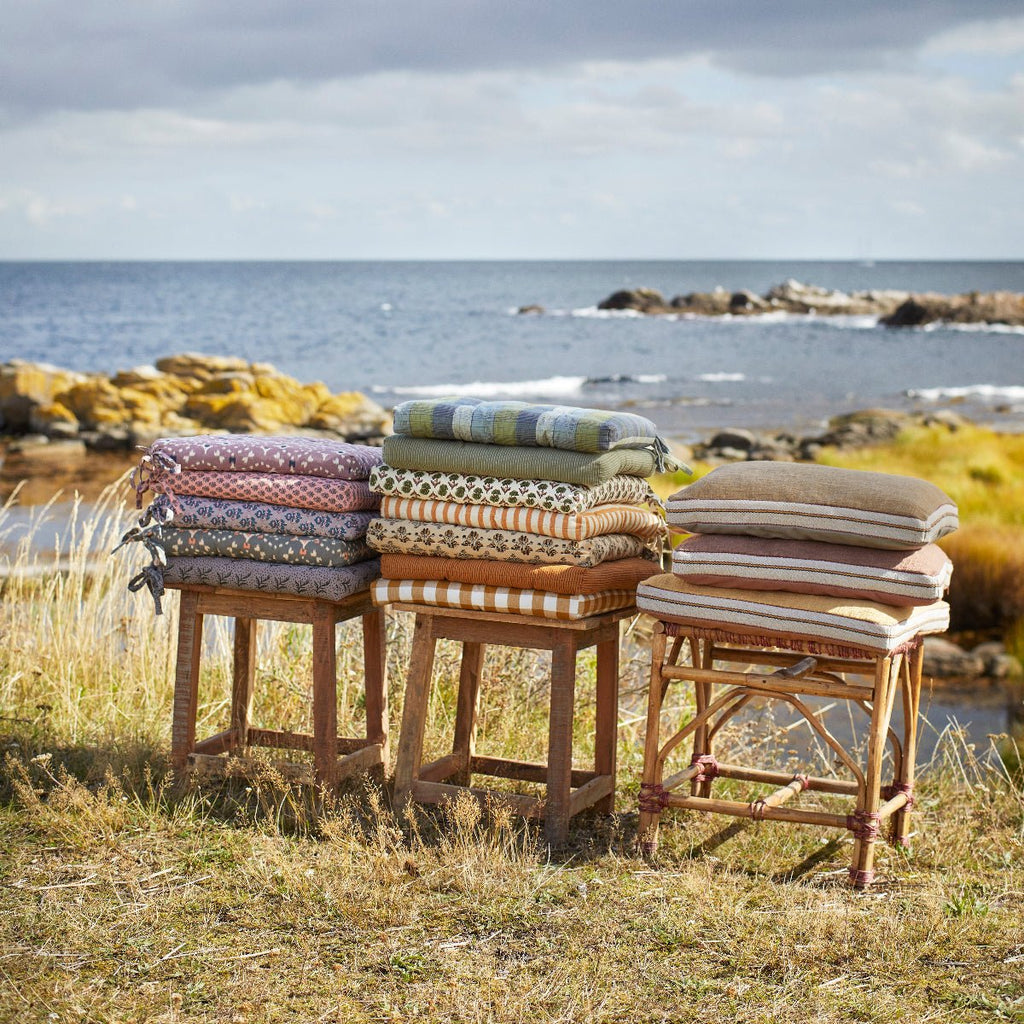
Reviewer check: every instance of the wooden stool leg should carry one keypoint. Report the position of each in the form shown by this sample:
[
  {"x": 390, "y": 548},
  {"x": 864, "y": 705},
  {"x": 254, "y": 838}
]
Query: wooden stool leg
[
  {"x": 325, "y": 696},
  {"x": 414, "y": 713},
  {"x": 186, "y": 681},
  {"x": 468, "y": 701},
  {"x": 702, "y": 653},
  {"x": 904, "y": 781},
  {"x": 559, "y": 781},
  {"x": 375, "y": 673},
  {"x": 865, "y": 818},
  {"x": 243, "y": 677},
  {"x": 650, "y": 786},
  {"x": 606, "y": 733}
]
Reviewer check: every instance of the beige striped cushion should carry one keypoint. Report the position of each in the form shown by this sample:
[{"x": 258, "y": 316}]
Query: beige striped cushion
[
  {"x": 603, "y": 519},
  {"x": 812, "y": 502},
  {"x": 862, "y": 624},
  {"x": 813, "y": 567},
  {"x": 481, "y": 598}
]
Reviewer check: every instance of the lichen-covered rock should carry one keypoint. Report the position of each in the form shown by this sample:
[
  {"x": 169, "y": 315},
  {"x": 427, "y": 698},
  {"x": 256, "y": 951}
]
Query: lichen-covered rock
[
  {"x": 200, "y": 367},
  {"x": 352, "y": 415},
  {"x": 24, "y": 386},
  {"x": 643, "y": 300},
  {"x": 54, "y": 420}
]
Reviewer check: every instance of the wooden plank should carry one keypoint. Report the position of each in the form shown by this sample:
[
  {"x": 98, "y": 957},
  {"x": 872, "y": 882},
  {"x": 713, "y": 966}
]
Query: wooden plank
[
  {"x": 205, "y": 766},
  {"x": 361, "y": 760},
  {"x": 436, "y": 792},
  {"x": 559, "y": 783},
  {"x": 325, "y": 695},
  {"x": 466, "y": 705},
  {"x": 414, "y": 712},
  {"x": 217, "y": 744},
  {"x": 523, "y": 771},
  {"x": 281, "y": 739},
  {"x": 592, "y": 622},
  {"x": 606, "y": 732},
  {"x": 186, "y": 679},
  {"x": 243, "y": 676},
  {"x": 594, "y": 793},
  {"x": 442, "y": 769},
  {"x": 375, "y": 678}
]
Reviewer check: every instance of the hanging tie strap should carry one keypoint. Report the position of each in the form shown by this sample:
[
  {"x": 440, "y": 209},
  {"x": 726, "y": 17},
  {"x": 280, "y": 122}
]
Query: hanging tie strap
[
  {"x": 152, "y": 577},
  {"x": 665, "y": 461},
  {"x": 707, "y": 765},
  {"x": 150, "y": 537},
  {"x": 152, "y": 467}
]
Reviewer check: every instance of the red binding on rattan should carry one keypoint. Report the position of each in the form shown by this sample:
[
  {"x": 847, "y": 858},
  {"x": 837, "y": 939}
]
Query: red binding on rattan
[
  {"x": 865, "y": 825},
  {"x": 861, "y": 879},
  {"x": 653, "y": 797},
  {"x": 708, "y": 765},
  {"x": 888, "y": 792}
]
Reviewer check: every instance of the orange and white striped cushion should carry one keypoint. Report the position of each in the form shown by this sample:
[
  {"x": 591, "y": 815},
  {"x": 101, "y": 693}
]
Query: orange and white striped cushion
[
  {"x": 600, "y": 520},
  {"x": 479, "y": 597}
]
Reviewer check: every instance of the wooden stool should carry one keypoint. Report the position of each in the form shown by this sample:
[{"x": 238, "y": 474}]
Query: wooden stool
[
  {"x": 248, "y": 608},
  {"x": 568, "y": 791},
  {"x": 795, "y": 674}
]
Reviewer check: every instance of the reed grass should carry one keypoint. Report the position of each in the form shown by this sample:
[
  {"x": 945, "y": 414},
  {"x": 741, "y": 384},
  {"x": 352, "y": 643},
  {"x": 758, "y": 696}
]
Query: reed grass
[{"x": 124, "y": 898}]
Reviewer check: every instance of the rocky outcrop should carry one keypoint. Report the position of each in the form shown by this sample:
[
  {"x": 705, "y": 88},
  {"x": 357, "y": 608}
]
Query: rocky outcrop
[
  {"x": 182, "y": 394},
  {"x": 944, "y": 659},
  {"x": 893, "y": 308}
]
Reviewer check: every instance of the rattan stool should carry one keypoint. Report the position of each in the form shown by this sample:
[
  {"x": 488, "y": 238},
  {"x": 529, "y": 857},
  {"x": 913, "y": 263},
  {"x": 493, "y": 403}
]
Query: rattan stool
[
  {"x": 783, "y": 669},
  {"x": 247, "y": 608},
  {"x": 569, "y": 791}
]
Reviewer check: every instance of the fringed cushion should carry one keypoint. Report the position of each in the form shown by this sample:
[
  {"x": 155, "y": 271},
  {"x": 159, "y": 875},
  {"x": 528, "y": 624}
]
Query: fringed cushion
[
  {"x": 889, "y": 577},
  {"x": 813, "y": 502},
  {"x": 763, "y": 614}
]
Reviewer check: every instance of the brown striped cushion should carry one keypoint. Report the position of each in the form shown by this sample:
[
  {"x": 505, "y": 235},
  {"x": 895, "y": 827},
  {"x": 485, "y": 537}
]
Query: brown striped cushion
[
  {"x": 862, "y": 624},
  {"x": 602, "y": 519},
  {"x": 812, "y": 502},
  {"x": 889, "y": 577},
  {"x": 480, "y": 598}
]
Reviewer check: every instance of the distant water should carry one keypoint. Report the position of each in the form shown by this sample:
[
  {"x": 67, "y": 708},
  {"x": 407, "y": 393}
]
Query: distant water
[{"x": 397, "y": 330}]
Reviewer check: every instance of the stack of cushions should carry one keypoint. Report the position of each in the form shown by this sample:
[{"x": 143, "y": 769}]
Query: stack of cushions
[
  {"x": 271, "y": 514},
  {"x": 844, "y": 557},
  {"x": 503, "y": 506}
]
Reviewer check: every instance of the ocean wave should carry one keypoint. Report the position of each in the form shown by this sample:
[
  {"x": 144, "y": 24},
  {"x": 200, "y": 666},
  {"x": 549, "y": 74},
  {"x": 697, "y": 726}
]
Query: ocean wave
[
  {"x": 550, "y": 387},
  {"x": 985, "y": 328},
  {"x": 628, "y": 378},
  {"x": 721, "y": 378},
  {"x": 1004, "y": 392}
]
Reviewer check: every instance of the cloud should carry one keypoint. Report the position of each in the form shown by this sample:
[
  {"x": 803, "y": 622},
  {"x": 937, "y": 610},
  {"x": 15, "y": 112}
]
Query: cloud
[{"x": 108, "y": 55}]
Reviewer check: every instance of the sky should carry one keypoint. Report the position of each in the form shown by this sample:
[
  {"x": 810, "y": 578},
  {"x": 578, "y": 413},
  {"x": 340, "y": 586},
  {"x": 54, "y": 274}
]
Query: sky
[{"x": 516, "y": 129}]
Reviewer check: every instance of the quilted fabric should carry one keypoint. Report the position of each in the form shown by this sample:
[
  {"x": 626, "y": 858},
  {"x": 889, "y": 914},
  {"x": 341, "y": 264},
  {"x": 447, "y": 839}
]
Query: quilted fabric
[
  {"x": 189, "y": 511},
  {"x": 549, "y": 495},
  {"x": 265, "y": 547},
  {"x": 270, "y": 578},
  {"x": 519, "y": 423},
  {"x": 603, "y": 519},
  {"x": 813, "y": 502},
  {"x": 518, "y": 463},
  {"x": 533, "y": 603},
  {"x": 620, "y": 574},
  {"x": 400, "y": 536},
  {"x": 889, "y": 577},
  {"x": 307, "y": 492},
  {"x": 862, "y": 624},
  {"x": 247, "y": 453}
]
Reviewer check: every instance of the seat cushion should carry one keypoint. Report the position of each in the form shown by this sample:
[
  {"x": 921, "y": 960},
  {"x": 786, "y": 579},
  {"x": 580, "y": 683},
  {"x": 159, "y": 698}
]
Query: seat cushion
[
  {"x": 762, "y": 614},
  {"x": 889, "y": 577},
  {"x": 812, "y": 502}
]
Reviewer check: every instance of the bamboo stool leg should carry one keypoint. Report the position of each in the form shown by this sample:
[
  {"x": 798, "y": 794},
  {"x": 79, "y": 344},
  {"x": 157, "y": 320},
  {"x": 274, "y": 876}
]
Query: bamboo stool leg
[
  {"x": 702, "y": 653},
  {"x": 414, "y": 713},
  {"x": 186, "y": 681},
  {"x": 607, "y": 726},
  {"x": 559, "y": 776},
  {"x": 325, "y": 696},
  {"x": 243, "y": 678},
  {"x": 650, "y": 786},
  {"x": 904, "y": 781},
  {"x": 468, "y": 702},
  {"x": 375, "y": 669}
]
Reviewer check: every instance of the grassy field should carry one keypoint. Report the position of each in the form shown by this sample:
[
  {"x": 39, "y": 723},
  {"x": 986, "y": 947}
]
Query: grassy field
[{"x": 125, "y": 899}]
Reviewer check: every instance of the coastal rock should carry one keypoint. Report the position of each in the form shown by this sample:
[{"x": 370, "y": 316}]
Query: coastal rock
[
  {"x": 970, "y": 308},
  {"x": 943, "y": 659},
  {"x": 182, "y": 394},
  {"x": 996, "y": 661},
  {"x": 859, "y": 429},
  {"x": 531, "y": 308},
  {"x": 643, "y": 300}
]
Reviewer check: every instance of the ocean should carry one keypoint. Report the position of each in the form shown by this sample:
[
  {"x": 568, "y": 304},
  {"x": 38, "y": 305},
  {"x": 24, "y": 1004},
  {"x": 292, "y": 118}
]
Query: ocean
[{"x": 397, "y": 330}]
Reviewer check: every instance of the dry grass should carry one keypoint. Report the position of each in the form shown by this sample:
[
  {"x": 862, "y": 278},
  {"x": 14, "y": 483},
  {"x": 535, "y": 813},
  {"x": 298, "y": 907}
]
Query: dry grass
[{"x": 124, "y": 899}]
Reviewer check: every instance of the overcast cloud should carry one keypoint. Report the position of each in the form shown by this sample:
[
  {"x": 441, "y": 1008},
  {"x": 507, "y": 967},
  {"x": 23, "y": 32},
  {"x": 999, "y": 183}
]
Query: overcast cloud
[{"x": 472, "y": 128}]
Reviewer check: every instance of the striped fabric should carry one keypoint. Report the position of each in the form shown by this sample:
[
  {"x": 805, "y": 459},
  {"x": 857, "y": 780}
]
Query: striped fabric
[
  {"x": 861, "y": 624},
  {"x": 428, "y": 455},
  {"x": 521, "y": 424},
  {"x": 620, "y": 574},
  {"x": 889, "y": 577},
  {"x": 271, "y": 578},
  {"x": 814, "y": 502},
  {"x": 550, "y": 495},
  {"x": 604, "y": 519},
  {"x": 402, "y": 536},
  {"x": 265, "y": 547},
  {"x": 481, "y": 598}
]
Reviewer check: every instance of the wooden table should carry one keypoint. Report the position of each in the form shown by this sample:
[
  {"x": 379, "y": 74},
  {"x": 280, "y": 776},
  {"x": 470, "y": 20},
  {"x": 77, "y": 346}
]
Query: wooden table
[
  {"x": 568, "y": 791},
  {"x": 334, "y": 757}
]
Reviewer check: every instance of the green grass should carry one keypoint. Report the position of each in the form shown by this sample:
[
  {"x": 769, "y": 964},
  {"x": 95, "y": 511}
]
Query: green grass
[{"x": 125, "y": 899}]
